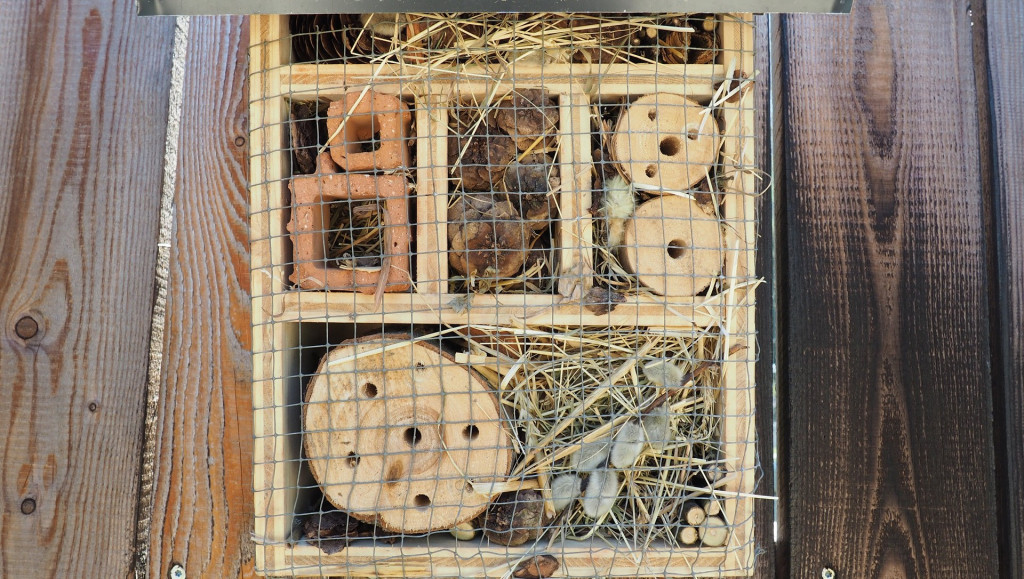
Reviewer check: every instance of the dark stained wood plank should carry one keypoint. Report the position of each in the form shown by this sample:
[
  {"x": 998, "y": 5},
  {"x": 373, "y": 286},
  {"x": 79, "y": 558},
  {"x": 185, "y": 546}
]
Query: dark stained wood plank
[
  {"x": 889, "y": 402},
  {"x": 1005, "y": 20},
  {"x": 766, "y": 38},
  {"x": 203, "y": 509},
  {"x": 83, "y": 95}
]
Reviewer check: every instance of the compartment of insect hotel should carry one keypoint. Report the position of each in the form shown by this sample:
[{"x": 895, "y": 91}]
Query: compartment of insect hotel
[
  {"x": 467, "y": 451},
  {"x": 508, "y": 160},
  {"x": 503, "y": 294},
  {"x": 673, "y": 190}
]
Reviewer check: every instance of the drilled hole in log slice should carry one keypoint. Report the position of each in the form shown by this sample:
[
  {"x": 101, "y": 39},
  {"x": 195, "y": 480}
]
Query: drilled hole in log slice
[
  {"x": 394, "y": 438},
  {"x": 665, "y": 141},
  {"x": 673, "y": 246}
]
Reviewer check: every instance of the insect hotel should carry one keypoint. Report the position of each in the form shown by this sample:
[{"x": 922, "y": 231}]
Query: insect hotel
[{"x": 503, "y": 283}]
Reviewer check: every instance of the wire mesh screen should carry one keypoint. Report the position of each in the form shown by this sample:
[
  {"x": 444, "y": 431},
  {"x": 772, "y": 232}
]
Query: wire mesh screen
[{"x": 503, "y": 294}]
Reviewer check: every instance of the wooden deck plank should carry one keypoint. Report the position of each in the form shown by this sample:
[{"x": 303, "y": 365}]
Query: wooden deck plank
[
  {"x": 83, "y": 93},
  {"x": 890, "y": 458},
  {"x": 1005, "y": 19},
  {"x": 203, "y": 510}
]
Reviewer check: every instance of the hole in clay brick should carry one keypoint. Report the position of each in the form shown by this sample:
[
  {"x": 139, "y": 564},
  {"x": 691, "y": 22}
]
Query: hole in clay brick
[
  {"x": 369, "y": 145},
  {"x": 362, "y": 134},
  {"x": 355, "y": 233}
]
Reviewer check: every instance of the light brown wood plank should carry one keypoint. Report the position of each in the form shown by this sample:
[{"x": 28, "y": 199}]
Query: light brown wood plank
[
  {"x": 203, "y": 512},
  {"x": 889, "y": 385},
  {"x": 1005, "y": 19},
  {"x": 83, "y": 95}
]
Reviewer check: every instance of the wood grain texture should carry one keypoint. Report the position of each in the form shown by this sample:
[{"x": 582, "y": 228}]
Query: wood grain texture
[
  {"x": 203, "y": 512},
  {"x": 888, "y": 358},
  {"x": 83, "y": 95},
  {"x": 1005, "y": 19}
]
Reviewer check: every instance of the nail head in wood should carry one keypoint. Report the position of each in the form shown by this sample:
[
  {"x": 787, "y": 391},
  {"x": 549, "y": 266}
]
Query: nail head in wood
[{"x": 28, "y": 506}]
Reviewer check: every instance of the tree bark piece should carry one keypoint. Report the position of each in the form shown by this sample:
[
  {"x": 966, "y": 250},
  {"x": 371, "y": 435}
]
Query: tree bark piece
[
  {"x": 515, "y": 518},
  {"x": 528, "y": 183},
  {"x": 528, "y": 115},
  {"x": 487, "y": 152}
]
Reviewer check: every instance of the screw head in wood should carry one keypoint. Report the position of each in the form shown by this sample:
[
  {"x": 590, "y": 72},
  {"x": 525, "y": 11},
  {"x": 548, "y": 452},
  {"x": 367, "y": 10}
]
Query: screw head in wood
[
  {"x": 828, "y": 573},
  {"x": 26, "y": 328},
  {"x": 176, "y": 572}
]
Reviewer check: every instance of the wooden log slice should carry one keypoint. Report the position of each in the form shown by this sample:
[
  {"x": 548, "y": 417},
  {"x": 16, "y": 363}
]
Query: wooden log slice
[
  {"x": 673, "y": 246},
  {"x": 394, "y": 438},
  {"x": 664, "y": 141}
]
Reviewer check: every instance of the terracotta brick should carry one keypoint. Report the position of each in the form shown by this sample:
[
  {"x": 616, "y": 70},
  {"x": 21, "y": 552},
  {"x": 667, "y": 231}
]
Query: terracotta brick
[
  {"x": 311, "y": 195},
  {"x": 375, "y": 113}
]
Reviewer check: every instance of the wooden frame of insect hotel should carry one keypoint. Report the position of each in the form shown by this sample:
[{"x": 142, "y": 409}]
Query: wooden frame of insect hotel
[{"x": 502, "y": 294}]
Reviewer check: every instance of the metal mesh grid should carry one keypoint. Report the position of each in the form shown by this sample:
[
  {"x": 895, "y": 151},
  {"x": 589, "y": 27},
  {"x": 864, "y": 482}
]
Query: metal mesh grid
[{"x": 503, "y": 294}]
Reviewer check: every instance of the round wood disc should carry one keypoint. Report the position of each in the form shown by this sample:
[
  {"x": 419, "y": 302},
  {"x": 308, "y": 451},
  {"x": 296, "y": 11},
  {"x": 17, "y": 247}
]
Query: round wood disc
[
  {"x": 395, "y": 437},
  {"x": 665, "y": 142},
  {"x": 673, "y": 246}
]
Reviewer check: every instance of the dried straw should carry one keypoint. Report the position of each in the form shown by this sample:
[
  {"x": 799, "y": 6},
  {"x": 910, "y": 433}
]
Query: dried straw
[{"x": 571, "y": 386}]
